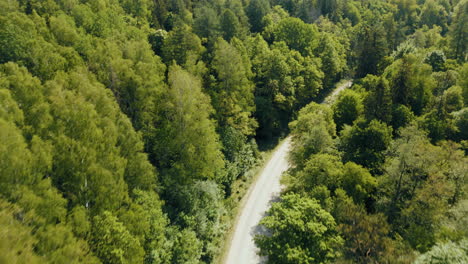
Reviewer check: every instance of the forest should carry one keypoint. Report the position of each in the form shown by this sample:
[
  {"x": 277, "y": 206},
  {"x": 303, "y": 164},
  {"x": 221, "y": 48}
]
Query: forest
[{"x": 126, "y": 127}]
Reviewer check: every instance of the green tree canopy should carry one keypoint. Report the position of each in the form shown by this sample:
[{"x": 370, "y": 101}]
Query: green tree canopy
[{"x": 299, "y": 231}]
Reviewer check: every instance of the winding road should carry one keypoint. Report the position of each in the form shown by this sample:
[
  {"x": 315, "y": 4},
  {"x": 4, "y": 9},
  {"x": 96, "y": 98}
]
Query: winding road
[{"x": 267, "y": 188}]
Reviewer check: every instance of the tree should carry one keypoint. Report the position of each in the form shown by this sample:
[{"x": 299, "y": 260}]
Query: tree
[
  {"x": 436, "y": 59},
  {"x": 312, "y": 132},
  {"x": 401, "y": 117},
  {"x": 366, "y": 235},
  {"x": 297, "y": 35},
  {"x": 347, "y": 108},
  {"x": 459, "y": 32},
  {"x": 300, "y": 231},
  {"x": 232, "y": 94},
  {"x": 415, "y": 186},
  {"x": 112, "y": 242},
  {"x": 378, "y": 103},
  {"x": 371, "y": 45},
  {"x": 16, "y": 243},
  {"x": 187, "y": 249},
  {"x": 453, "y": 99},
  {"x": 207, "y": 23},
  {"x": 201, "y": 210},
  {"x": 185, "y": 137},
  {"x": 241, "y": 155},
  {"x": 358, "y": 182},
  {"x": 285, "y": 81},
  {"x": 328, "y": 7},
  {"x": 255, "y": 11},
  {"x": 22, "y": 43},
  {"x": 461, "y": 122},
  {"x": 438, "y": 123},
  {"x": 432, "y": 14},
  {"x": 319, "y": 170},
  {"x": 180, "y": 44},
  {"x": 411, "y": 83},
  {"x": 333, "y": 55},
  {"x": 365, "y": 142},
  {"x": 230, "y": 25},
  {"x": 445, "y": 253},
  {"x": 155, "y": 223}
]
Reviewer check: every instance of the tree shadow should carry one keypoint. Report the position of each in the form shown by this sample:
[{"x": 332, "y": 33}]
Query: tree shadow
[{"x": 262, "y": 230}]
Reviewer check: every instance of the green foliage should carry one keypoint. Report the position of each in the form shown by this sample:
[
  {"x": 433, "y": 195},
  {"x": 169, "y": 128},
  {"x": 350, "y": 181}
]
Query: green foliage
[
  {"x": 447, "y": 253},
  {"x": 312, "y": 132},
  {"x": 333, "y": 56},
  {"x": 241, "y": 154},
  {"x": 186, "y": 140},
  {"x": 365, "y": 235},
  {"x": 233, "y": 92},
  {"x": 463, "y": 82},
  {"x": 436, "y": 59},
  {"x": 201, "y": 211},
  {"x": 255, "y": 11},
  {"x": 207, "y": 22},
  {"x": 371, "y": 45},
  {"x": 230, "y": 25},
  {"x": 21, "y": 41},
  {"x": 411, "y": 83},
  {"x": 146, "y": 220},
  {"x": 319, "y": 169},
  {"x": 378, "y": 103},
  {"x": 298, "y": 231},
  {"x": 285, "y": 81},
  {"x": 358, "y": 182},
  {"x": 453, "y": 99},
  {"x": 439, "y": 124},
  {"x": 418, "y": 183},
  {"x": 112, "y": 242},
  {"x": 401, "y": 117},
  {"x": 90, "y": 116},
  {"x": 433, "y": 13},
  {"x": 16, "y": 241},
  {"x": 347, "y": 108},
  {"x": 180, "y": 44},
  {"x": 297, "y": 35},
  {"x": 461, "y": 122},
  {"x": 365, "y": 142},
  {"x": 186, "y": 249},
  {"x": 459, "y": 32}
]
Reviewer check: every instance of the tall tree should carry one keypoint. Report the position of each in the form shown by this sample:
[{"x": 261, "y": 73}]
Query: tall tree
[
  {"x": 378, "y": 103},
  {"x": 459, "y": 32},
  {"x": 230, "y": 25},
  {"x": 255, "y": 11},
  {"x": 347, "y": 108},
  {"x": 185, "y": 137},
  {"x": 232, "y": 94},
  {"x": 180, "y": 44},
  {"x": 371, "y": 45}
]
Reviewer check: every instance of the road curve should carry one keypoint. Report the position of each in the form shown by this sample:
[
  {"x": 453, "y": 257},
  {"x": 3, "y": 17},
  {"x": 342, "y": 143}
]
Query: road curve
[{"x": 266, "y": 189}]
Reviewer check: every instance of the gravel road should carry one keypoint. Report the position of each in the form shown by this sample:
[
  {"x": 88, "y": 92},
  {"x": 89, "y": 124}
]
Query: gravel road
[{"x": 266, "y": 189}]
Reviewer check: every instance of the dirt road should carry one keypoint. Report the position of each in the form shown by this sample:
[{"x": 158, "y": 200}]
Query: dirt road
[{"x": 267, "y": 189}]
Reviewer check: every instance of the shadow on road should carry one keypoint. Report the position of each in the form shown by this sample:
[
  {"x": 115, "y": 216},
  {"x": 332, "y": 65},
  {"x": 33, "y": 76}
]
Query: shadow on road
[{"x": 261, "y": 230}]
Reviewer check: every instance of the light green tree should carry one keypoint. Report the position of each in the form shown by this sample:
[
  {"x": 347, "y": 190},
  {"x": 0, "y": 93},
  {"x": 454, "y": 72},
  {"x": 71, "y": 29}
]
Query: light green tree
[
  {"x": 233, "y": 92},
  {"x": 299, "y": 231}
]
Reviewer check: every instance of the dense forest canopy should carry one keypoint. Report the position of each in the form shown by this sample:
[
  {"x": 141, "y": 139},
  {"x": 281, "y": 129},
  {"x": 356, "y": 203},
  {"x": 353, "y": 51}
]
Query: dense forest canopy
[{"x": 124, "y": 126}]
